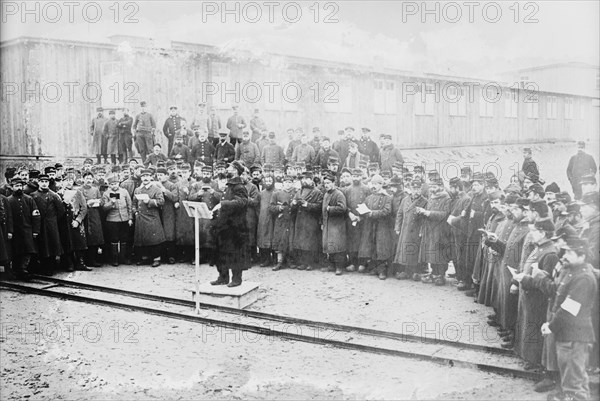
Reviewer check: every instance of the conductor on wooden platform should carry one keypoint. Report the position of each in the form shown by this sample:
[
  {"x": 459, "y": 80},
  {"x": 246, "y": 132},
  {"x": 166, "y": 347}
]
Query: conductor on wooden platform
[{"x": 231, "y": 229}]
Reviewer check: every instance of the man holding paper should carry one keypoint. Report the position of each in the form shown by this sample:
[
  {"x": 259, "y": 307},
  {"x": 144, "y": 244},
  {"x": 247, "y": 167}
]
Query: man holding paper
[
  {"x": 571, "y": 322},
  {"x": 149, "y": 234}
]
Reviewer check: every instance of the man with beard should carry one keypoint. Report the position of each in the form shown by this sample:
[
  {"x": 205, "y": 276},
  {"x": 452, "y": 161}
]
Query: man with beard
[
  {"x": 436, "y": 244},
  {"x": 224, "y": 151},
  {"x": 117, "y": 204},
  {"x": 5, "y": 189},
  {"x": 149, "y": 235},
  {"x": 181, "y": 151},
  {"x": 397, "y": 192},
  {"x": 111, "y": 133},
  {"x": 256, "y": 175},
  {"x": 51, "y": 210},
  {"x": 474, "y": 218},
  {"x": 466, "y": 177},
  {"x": 571, "y": 321},
  {"x": 125, "y": 138},
  {"x": 355, "y": 194},
  {"x": 167, "y": 184},
  {"x": 50, "y": 171},
  {"x": 93, "y": 222},
  {"x": 281, "y": 210},
  {"x": 408, "y": 227},
  {"x": 307, "y": 239},
  {"x": 25, "y": 230},
  {"x": 559, "y": 209},
  {"x": 231, "y": 230},
  {"x": 333, "y": 215},
  {"x": 324, "y": 153},
  {"x": 221, "y": 176},
  {"x": 246, "y": 151},
  {"x": 265, "y": 227},
  {"x": 375, "y": 245},
  {"x": 32, "y": 184}
]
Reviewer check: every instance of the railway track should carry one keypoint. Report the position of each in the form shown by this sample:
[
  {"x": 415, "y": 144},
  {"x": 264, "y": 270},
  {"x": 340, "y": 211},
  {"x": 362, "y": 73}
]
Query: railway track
[{"x": 450, "y": 353}]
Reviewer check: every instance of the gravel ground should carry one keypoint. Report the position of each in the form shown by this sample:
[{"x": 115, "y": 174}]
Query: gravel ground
[{"x": 53, "y": 349}]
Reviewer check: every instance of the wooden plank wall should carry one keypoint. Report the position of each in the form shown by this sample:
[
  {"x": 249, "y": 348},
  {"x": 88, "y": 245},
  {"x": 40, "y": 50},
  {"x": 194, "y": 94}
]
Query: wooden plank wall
[{"x": 60, "y": 128}]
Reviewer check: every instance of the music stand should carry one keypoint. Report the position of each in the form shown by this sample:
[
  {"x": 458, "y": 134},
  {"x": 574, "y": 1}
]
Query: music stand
[{"x": 197, "y": 210}]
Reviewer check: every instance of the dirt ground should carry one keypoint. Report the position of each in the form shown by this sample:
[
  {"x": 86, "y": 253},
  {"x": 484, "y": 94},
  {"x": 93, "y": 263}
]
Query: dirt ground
[{"x": 53, "y": 349}]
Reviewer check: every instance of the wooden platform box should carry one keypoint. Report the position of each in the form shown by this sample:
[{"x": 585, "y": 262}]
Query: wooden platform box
[{"x": 221, "y": 295}]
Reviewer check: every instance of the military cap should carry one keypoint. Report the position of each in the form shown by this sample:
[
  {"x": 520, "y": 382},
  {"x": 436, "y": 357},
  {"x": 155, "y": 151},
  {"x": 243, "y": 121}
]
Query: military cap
[
  {"x": 581, "y": 143},
  {"x": 206, "y": 169},
  {"x": 396, "y": 182},
  {"x": 436, "y": 181},
  {"x": 115, "y": 169},
  {"x": 540, "y": 207},
  {"x": 528, "y": 150},
  {"x": 111, "y": 112},
  {"x": 538, "y": 189},
  {"x": 255, "y": 167},
  {"x": 565, "y": 232},
  {"x": 58, "y": 165},
  {"x": 377, "y": 179},
  {"x": 491, "y": 182},
  {"x": 418, "y": 168},
  {"x": 112, "y": 178},
  {"x": 590, "y": 198},
  {"x": 349, "y": 129},
  {"x": 353, "y": 144},
  {"x": 300, "y": 165},
  {"x": 522, "y": 202},
  {"x": 271, "y": 134},
  {"x": 511, "y": 199},
  {"x": 513, "y": 188},
  {"x": 43, "y": 177},
  {"x": 454, "y": 181},
  {"x": 386, "y": 174},
  {"x": 386, "y": 136},
  {"x": 161, "y": 170},
  {"x": 347, "y": 170},
  {"x": 408, "y": 175},
  {"x": 133, "y": 159},
  {"x": 433, "y": 173},
  {"x": 49, "y": 169},
  {"x": 86, "y": 173},
  {"x": 398, "y": 165},
  {"x": 173, "y": 107},
  {"x": 363, "y": 164},
  {"x": 278, "y": 167},
  {"x": 373, "y": 166},
  {"x": 170, "y": 164},
  {"x": 325, "y": 138},
  {"x": 308, "y": 174},
  {"x": 478, "y": 177},
  {"x": 17, "y": 180},
  {"x": 185, "y": 166},
  {"x": 178, "y": 136},
  {"x": 544, "y": 225},
  {"x": 328, "y": 175},
  {"x": 268, "y": 167},
  {"x": 576, "y": 244},
  {"x": 356, "y": 171},
  {"x": 99, "y": 169},
  {"x": 10, "y": 172},
  {"x": 553, "y": 187},
  {"x": 235, "y": 107},
  {"x": 143, "y": 103},
  {"x": 88, "y": 161},
  {"x": 34, "y": 173},
  {"x": 223, "y": 133},
  {"x": 588, "y": 179},
  {"x": 466, "y": 169},
  {"x": 341, "y": 132},
  {"x": 333, "y": 160},
  {"x": 287, "y": 177}
]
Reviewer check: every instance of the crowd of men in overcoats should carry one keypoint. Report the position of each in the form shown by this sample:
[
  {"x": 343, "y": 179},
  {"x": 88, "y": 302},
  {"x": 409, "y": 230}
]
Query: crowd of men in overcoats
[{"x": 528, "y": 251}]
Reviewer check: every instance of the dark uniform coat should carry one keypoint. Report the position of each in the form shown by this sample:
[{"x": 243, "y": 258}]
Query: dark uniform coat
[
  {"x": 492, "y": 260},
  {"x": 111, "y": 133},
  {"x": 334, "y": 222},
  {"x": 26, "y": 222},
  {"x": 281, "y": 210},
  {"x": 532, "y": 305},
  {"x": 367, "y": 147},
  {"x": 397, "y": 199},
  {"x": 148, "y": 227},
  {"x": 389, "y": 156},
  {"x": 93, "y": 222},
  {"x": 184, "y": 224},
  {"x": 51, "y": 210},
  {"x": 231, "y": 230},
  {"x": 224, "y": 152},
  {"x": 265, "y": 220},
  {"x": 74, "y": 239},
  {"x": 307, "y": 226},
  {"x": 408, "y": 223},
  {"x": 355, "y": 195},
  {"x": 376, "y": 242},
  {"x": 436, "y": 242},
  {"x": 6, "y": 226},
  {"x": 252, "y": 212},
  {"x": 168, "y": 209},
  {"x": 97, "y": 131}
]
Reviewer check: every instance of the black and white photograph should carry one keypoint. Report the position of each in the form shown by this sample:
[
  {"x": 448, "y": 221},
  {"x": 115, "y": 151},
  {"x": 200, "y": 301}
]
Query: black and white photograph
[{"x": 300, "y": 200}]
